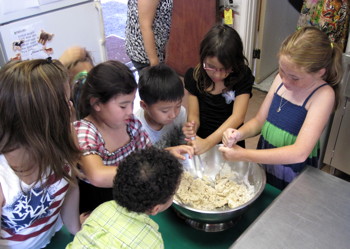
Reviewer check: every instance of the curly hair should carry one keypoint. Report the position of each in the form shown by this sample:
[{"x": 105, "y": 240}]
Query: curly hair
[{"x": 145, "y": 179}]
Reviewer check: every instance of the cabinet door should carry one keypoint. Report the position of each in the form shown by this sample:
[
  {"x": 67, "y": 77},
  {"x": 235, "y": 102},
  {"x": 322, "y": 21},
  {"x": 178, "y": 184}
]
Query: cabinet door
[
  {"x": 341, "y": 156},
  {"x": 337, "y": 152},
  {"x": 191, "y": 20}
]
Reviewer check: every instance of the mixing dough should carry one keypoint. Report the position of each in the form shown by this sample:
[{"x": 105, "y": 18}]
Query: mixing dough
[{"x": 219, "y": 194}]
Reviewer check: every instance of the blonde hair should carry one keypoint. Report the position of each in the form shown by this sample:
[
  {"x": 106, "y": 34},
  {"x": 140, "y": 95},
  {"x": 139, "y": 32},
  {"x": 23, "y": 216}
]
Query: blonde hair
[
  {"x": 35, "y": 114},
  {"x": 310, "y": 49}
]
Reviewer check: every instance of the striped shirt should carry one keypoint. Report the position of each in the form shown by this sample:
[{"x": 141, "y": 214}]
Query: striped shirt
[
  {"x": 31, "y": 214},
  {"x": 113, "y": 226}
]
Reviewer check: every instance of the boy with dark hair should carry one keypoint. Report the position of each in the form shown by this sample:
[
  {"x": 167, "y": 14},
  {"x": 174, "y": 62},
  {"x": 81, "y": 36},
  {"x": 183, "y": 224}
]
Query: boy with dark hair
[
  {"x": 162, "y": 115},
  {"x": 145, "y": 184}
]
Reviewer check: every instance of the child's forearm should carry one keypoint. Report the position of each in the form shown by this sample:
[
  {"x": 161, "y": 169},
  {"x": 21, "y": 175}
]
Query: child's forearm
[
  {"x": 282, "y": 155},
  {"x": 96, "y": 172},
  {"x": 195, "y": 120},
  {"x": 70, "y": 210},
  {"x": 216, "y": 136},
  {"x": 103, "y": 177},
  {"x": 250, "y": 129}
]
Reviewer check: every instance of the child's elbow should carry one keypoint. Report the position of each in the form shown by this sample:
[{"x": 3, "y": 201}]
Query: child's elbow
[
  {"x": 301, "y": 156},
  {"x": 97, "y": 181},
  {"x": 73, "y": 229},
  {"x": 101, "y": 177}
]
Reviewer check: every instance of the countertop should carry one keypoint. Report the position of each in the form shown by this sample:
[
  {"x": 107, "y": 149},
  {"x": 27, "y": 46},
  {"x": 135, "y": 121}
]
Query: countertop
[{"x": 312, "y": 212}]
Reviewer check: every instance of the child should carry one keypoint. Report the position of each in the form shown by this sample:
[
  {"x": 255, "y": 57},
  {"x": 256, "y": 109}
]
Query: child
[
  {"x": 76, "y": 59},
  {"x": 295, "y": 110},
  {"x": 219, "y": 88},
  {"x": 79, "y": 62},
  {"x": 36, "y": 151},
  {"x": 145, "y": 185},
  {"x": 161, "y": 113},
  {"x": 108, "y": 131}
]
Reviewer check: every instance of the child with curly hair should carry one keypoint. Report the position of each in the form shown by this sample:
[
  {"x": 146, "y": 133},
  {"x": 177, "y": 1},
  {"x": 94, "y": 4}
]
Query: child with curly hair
[{"x": 145, "y": 184}]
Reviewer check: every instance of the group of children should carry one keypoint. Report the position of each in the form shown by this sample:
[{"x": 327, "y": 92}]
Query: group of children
[{"x": 127, "y": 166}]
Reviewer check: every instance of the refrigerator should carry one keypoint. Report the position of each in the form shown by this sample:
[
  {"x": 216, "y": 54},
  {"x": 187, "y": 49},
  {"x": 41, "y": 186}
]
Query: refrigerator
[{"x": 31, "y": 29}]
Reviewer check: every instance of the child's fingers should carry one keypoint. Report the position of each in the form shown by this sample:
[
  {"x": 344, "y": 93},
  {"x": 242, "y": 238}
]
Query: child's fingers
[
  {"x": 223, "y": 150},
  {"x": 227, "y": 141}
]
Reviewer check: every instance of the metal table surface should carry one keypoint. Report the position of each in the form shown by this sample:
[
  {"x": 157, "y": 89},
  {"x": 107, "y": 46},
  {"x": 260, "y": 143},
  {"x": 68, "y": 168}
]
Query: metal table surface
[{"x": 312, "y": 212}]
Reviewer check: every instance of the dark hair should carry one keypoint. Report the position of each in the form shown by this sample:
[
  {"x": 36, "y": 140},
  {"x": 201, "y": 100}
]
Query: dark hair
[
  {"x": 160, "y": 83},
  {"x": 222, "y": 42},
  {"x": 145, "y": 179},
  {"x": 35, "y": 114},
  {"x": 105, "y": 81}
]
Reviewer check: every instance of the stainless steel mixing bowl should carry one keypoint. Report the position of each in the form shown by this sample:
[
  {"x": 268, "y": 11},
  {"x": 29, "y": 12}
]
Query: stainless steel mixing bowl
[{"x": 218, "y": 220}]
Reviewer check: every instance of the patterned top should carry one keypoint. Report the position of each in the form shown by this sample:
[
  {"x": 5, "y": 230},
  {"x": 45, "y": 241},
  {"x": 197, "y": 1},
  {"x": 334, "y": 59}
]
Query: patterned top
[
  {"x": 31, "y": 214},
  {"x": 113, "y": 226},
  {"x": 91, "y": 141},
  {"x": 281, "y": 128},
  {"x": 161, "y": 28},
  {"x": 332, "y": 17}
]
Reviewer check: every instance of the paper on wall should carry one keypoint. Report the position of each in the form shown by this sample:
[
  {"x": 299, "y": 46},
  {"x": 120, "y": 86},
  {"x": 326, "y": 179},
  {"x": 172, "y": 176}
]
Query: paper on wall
[{"x": 27, "y": 39}]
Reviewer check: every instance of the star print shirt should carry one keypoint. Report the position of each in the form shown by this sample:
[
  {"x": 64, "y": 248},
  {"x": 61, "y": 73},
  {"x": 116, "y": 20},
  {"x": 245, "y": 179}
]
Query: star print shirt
[{"x": 31, "y": 214}]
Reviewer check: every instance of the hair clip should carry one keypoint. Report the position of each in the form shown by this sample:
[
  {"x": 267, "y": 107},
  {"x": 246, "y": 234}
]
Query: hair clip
[
  {"x": 332, "y": 45},
  {"x": 49, "y": 59}
]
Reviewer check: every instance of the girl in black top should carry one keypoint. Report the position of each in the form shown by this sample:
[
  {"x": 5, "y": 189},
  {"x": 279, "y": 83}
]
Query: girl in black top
[{"x": 219, "y": 89}]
